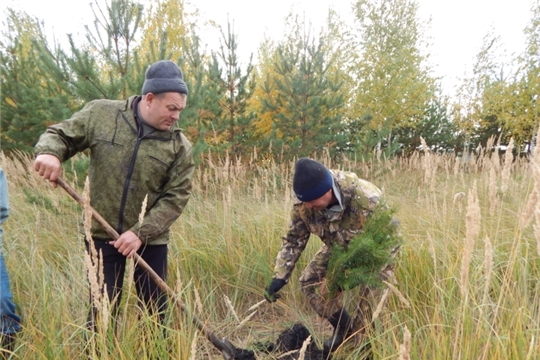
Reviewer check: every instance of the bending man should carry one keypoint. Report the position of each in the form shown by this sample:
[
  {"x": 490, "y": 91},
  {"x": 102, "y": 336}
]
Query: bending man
[{"x": 333, "y": 205}]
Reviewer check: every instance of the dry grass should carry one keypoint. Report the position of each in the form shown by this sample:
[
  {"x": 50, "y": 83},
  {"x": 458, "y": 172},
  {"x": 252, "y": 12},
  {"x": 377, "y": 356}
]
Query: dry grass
[{"x": 466, "y": 279}]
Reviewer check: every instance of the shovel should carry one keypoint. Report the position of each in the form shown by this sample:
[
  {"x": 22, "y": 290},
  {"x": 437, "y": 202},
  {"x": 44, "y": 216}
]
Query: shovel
[{"x": 227, "y": 349}]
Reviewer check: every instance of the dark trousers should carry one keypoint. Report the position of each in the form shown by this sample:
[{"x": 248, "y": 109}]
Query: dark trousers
[{"x": 150, "y": 295}]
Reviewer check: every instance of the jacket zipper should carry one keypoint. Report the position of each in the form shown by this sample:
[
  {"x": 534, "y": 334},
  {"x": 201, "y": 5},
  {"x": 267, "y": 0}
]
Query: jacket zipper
[
  {"x": 130, "y": 172},
  {"x": 126, "y": 185}
]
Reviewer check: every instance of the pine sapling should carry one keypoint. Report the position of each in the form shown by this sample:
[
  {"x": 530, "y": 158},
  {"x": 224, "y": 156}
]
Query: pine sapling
[{"x": 361, "y": 262}]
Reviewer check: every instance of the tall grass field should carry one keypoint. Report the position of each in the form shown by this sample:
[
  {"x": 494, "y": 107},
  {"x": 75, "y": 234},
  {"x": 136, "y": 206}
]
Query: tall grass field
[{"x": 467, "y": 277}]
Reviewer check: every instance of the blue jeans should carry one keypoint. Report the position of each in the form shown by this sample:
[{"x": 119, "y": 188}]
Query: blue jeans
[{"x": 9, "y": 321}]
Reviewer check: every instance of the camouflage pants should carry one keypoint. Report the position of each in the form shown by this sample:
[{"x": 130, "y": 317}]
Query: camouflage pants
[{"x": 313, "y": 285}]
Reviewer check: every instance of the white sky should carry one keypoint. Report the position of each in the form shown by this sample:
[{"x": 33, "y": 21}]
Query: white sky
[{"x": 457, "y": 27}]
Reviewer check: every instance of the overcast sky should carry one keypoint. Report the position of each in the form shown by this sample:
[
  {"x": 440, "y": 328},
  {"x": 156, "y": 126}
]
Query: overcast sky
[{"x": 457, "y": 27}]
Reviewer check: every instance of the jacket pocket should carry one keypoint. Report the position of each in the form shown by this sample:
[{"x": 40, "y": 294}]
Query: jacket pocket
[
  {"x": 107, "y": 142},
  {"x": 159, "y": 161},
  {"x": 152, "y": 172}
]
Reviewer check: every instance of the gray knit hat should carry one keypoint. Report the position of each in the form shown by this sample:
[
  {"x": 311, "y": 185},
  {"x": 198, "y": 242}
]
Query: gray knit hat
[{"x": 164, "y": 76}]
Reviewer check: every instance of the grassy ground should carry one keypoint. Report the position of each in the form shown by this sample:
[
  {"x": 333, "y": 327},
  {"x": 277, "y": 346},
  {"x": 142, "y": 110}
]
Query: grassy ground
[{"x": 466, "y": 282}]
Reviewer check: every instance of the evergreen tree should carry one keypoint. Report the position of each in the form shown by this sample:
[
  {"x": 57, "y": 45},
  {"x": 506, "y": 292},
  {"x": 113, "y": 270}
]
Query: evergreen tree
[
  {"x": 436, "y": 127},
  {"x": 30, "y": 100},
  {"x": 303, "y": 95},
  {"x": 203, "y": 100},
  {"x": 107, "y": 66},
  {"x": 366, "y": 142},
  {"x": 233, "y": 126},
  {"x": 360, "y": 261}
]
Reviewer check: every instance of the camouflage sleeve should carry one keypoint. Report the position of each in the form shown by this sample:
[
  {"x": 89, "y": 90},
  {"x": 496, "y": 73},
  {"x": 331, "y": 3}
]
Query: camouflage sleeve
[
  {"x": 68, "y": 137},
  {"x": 293, "y": 244},
  {"x": 161, "y": 215}
]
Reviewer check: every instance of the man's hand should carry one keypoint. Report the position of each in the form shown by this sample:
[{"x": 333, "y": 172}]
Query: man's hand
[
  {"x": 270, "y": 294},
  {"x": 127, "y": 244},
  {"x": 48, "y": 166}
]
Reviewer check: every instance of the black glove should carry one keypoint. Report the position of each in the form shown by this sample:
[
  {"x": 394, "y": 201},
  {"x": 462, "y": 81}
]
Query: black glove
[{"x": 270, "y": 292}]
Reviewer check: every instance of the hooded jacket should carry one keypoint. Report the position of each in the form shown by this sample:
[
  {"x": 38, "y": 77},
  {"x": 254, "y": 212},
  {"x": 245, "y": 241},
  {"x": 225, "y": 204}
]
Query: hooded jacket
[{"x": 125, "y": 167}]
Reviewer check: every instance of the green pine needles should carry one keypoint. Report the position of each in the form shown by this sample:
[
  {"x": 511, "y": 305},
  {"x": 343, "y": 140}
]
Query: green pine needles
[{"x": 366, "y": 255}]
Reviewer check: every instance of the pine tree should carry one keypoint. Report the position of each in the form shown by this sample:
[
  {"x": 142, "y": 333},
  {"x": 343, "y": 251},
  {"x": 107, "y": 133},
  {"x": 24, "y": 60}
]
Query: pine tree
[
  {"x": 436, "y": 127},
  {"x": 203, "y": 100},
  {"x": 235, "y": 121},
  {"x": 361, "y": 261},
  {"x": 367, "y": 142},
  {"x": 30, "y": 101},
  {"x": 303, "y": 95},
  {"x": 107, "y": 65}
]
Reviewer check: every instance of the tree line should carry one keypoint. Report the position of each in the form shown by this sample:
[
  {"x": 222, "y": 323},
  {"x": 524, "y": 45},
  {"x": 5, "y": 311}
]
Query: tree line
[{"x": 345, "y": 90}]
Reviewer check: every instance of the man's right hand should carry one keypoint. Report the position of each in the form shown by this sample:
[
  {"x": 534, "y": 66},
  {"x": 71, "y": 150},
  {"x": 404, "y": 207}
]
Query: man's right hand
[
  {"x": 127, "y": 244},
  {"x": 270, "y": 294},
  {"x": 48, "y": 166}
]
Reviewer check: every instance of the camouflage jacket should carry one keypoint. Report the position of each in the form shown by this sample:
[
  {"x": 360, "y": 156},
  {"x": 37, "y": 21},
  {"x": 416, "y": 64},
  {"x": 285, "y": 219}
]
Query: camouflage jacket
[
  {"x": 358, "y": 197},
  {"x": 125, "y": 167}
]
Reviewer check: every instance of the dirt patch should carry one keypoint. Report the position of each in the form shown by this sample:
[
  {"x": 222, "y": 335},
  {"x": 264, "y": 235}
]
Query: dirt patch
[
  {"x": 242, "y": 354},
  {"x": 289, "y": 343}
]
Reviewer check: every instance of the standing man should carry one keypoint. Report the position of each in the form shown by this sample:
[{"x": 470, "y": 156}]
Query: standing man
[
  {"x": 136, "y": 150},
  {"x": 333, "y": 205},
  {"x": 9, "y": 321}
]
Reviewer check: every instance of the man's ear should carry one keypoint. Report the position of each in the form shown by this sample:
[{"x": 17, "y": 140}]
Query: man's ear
[
  {"x": 149, "y": 98},
  {"x": 145, "y": 103}
]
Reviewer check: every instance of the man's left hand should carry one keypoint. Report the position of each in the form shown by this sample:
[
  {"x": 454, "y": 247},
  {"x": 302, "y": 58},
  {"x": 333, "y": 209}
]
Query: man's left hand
[
  {"x": 127, "y": 244},
  {"x": 270, "y": 294}
]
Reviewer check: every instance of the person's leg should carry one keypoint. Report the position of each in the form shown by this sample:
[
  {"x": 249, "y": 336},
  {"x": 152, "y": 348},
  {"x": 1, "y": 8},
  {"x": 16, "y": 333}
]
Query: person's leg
[
  {"x": 9, "y": 320},
  {"x": 369, "y": 300},
  {"x": 150, "y": 295},
  {"x": 311, "y": 282},
  {"x": 114, "y": 265}
]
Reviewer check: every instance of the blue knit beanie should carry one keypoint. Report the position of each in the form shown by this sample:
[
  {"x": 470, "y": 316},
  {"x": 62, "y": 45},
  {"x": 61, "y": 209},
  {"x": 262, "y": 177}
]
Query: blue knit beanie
[
  {"x": 311, "y": 180},
  {"x": 164, "y": 76}
]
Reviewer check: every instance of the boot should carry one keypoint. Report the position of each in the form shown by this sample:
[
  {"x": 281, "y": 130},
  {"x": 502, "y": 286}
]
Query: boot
[
  {"x": 7, "y": 345},
  {"x": 343, "y": 327}
]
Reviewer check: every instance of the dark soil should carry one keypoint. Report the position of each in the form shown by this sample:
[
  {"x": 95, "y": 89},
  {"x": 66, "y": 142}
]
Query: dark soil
[
  {"x": 242, "y": 354},
  {"x": 293, "y": 339}
]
